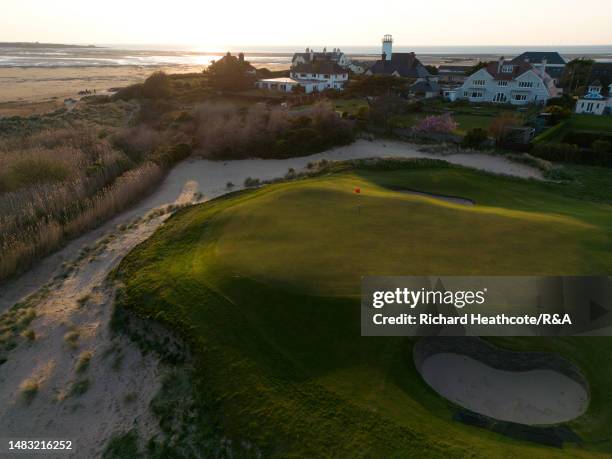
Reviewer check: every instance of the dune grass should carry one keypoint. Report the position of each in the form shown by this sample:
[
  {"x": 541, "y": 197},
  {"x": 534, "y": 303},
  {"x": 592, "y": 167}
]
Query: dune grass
[{"x": 264, "y": 286}]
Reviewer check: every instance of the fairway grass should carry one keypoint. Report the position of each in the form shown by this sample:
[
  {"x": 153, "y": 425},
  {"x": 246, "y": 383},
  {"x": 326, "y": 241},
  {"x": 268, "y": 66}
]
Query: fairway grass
[{"x": 264, "y": 286}]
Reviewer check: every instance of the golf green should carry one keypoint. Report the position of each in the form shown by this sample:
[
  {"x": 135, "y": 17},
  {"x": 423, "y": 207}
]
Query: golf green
[{"x": 264, "y": 286}]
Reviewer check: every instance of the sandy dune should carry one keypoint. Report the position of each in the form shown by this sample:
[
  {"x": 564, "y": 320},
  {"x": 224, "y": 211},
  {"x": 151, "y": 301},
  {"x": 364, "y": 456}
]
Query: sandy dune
[{"x": 81, "y": 303}]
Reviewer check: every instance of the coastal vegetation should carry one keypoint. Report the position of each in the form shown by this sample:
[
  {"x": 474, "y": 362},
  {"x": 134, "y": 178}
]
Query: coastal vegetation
[
  {"x": 66, "y": 172},
  {"x": 278, "y": 366}
]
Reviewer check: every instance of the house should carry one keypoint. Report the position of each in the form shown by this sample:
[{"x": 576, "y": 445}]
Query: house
[
  {"x": 427, "y": 88},
  {"x": 398, "y": 64},
  {"x": 453, "y": 73},
  {"x": 507, "y": 82},
  {"x": 311, "y": 55},
  {"x": 546, "y": 61},
  {"x": 314, "y": 75},
  {"x": 595, "y": 101}
]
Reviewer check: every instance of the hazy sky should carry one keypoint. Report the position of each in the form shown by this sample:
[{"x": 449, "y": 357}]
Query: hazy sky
[{"x": 206, "y": 24}]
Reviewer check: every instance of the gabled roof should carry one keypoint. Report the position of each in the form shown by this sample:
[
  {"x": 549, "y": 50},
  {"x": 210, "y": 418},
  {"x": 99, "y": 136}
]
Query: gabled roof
[
  {"x": 326, "y": 67},
  {"x": 424, "y": 86},
  {"x": 318, "y": 55},
  {"x": 537, "y": 57},
  {"x": 496, "y": 70},
  {"x": 404, "y": 64}
]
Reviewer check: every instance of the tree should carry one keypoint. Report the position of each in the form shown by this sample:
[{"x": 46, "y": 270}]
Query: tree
[
  {"x": 157, "y": 86},
  {"x": 576, "y": 74},
  {"x": 475, "y": 138},
  {"x": 230, "y": 74},
  {"x": 432, "y": 69},
  {"x": 384, "y": 108},
  {"x": 558, "y": 113},
  {"x": 501, "y": 125},
  {"x": 442, "y": 124},
  {"x": 476, "y": 68},
  {"x": 377, "y": 85}
]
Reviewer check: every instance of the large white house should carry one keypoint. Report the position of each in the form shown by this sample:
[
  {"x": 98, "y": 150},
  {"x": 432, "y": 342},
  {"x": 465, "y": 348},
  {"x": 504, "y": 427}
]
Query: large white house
[
  {"x": 517, "y": 83},
  {"x": 594, "y": 101},
  {"x": 316, "y": 75},
  {"x": 310, "y": 55},
  {"x": 550, "y": 62}
]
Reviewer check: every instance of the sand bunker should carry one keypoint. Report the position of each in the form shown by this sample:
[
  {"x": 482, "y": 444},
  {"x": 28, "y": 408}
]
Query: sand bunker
[{"x": 529, "y": 395}]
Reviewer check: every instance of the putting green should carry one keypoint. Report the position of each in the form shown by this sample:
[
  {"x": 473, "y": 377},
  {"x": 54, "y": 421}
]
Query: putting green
[{"x": 264, "y": 286}]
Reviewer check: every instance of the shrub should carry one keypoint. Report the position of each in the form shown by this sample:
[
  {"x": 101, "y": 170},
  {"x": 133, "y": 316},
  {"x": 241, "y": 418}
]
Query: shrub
[
  {"x": 157, "y": 86},
  {"x": 564, "y": 152},
  {"x": 71, "y": 338},
  {"x": 251, "y": 182},
  {"x": 83, "y": 361},
  {"x": 29, "y": 389},
  {"x": 78, "y": 388},
  {"x": 442, "y": 124},
  {"x": 475, "y": 138},
  {"x": 558, "y": 113}
]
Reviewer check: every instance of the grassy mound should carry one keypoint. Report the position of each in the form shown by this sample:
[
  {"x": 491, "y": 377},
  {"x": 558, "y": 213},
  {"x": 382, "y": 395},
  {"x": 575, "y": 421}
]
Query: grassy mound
[{"x": 264, "y": 285}]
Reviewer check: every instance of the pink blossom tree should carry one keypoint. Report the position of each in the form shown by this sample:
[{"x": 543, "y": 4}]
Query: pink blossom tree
[{"x": 442, "y": 124}]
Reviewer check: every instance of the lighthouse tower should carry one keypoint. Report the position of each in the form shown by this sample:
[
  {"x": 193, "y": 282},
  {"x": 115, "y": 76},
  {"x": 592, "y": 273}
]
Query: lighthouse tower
[{"x": 387, "y": 47}]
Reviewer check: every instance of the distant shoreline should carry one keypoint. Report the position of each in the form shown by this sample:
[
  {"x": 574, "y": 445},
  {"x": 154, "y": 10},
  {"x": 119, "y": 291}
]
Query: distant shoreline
[{"x": 30, "y": 45}]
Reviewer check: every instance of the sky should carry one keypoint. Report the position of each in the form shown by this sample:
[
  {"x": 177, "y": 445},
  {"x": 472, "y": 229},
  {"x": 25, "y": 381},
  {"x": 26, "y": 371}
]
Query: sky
[{"x": 203, "y": 24}]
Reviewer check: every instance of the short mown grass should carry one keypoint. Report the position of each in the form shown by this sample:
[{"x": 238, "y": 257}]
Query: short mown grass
[{"x": 264, "y": 286}]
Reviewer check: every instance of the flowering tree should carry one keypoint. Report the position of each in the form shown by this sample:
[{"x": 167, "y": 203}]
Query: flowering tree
[{"x": 442, "y": 124}]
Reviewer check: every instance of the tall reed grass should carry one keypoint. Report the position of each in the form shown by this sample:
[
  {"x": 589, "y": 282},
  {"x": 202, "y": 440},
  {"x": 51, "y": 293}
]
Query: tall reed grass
[{"x": 57, "y": 184}]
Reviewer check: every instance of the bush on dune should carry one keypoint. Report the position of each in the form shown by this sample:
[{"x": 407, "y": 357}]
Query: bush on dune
[{"x": 224, "y": 131}]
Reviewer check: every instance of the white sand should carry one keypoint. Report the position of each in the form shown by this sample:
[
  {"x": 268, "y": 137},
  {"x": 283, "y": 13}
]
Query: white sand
[
  {"x": 529, "y": 397},
  {"x": 91, "y": 418}
]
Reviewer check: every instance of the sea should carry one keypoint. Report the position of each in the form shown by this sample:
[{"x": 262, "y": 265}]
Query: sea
[{"x": 27, "y": 55}]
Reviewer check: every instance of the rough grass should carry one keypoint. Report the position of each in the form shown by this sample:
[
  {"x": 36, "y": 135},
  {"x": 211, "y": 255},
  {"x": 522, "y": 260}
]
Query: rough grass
[
  {"x": 29, "y": 389},
  {"x": 83, "y": 361},
  {"x": 264, "y": 286}
]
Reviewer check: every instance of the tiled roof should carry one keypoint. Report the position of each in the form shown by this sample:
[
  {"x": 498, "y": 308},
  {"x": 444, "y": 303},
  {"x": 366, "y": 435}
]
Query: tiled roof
[
  {"x": 495, "y": 69},
  {"x": 326, "y": 67},
  {"x": 405, "y": 64},
  {"x": 537, "y": 57}
]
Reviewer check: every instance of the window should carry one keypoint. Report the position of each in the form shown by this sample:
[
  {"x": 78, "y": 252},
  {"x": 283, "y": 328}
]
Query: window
[
  {"x": 465, "y": 93},
  {"x": 520, "y": 97},
  {"x": 476, "y": 94},
  {"x": 507, "y": 69},
  {"x": 502, "y": 83},
  {"x": 479, "y": 82},
  {"x": 525, "y": 84},
  {"x": 500, "y": 97}
]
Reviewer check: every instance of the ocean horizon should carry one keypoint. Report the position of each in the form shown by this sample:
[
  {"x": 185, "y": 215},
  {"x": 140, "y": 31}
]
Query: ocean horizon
[{"x": 155, "y": 55}]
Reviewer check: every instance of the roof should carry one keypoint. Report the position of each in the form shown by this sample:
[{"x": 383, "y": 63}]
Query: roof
[
  {"x": 493, "y": 68},
  {"x": 602, "y": 72},
  {"x": 279, "y": 80},
  {"x": 405, "y": 64},
  {"x": 318, "y": 55},
  {"x": 538, "y": 57},
  {"x": 424, "y": 86},
  {"x": 326, "y": 67}
]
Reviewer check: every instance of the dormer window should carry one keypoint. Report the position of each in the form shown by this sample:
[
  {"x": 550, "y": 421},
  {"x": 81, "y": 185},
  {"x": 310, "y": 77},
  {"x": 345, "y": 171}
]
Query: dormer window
[
  {"x": 507, "y": 68},
  {"x": 595, "y": 89}
]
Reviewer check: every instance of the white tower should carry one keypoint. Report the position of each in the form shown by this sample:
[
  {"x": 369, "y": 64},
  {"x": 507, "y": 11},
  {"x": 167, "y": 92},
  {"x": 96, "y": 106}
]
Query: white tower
[{"x": 387, "y": 47}]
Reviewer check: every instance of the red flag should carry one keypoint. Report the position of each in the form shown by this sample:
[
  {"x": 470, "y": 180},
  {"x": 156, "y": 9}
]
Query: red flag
[{"x": 357, "y": 190}]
